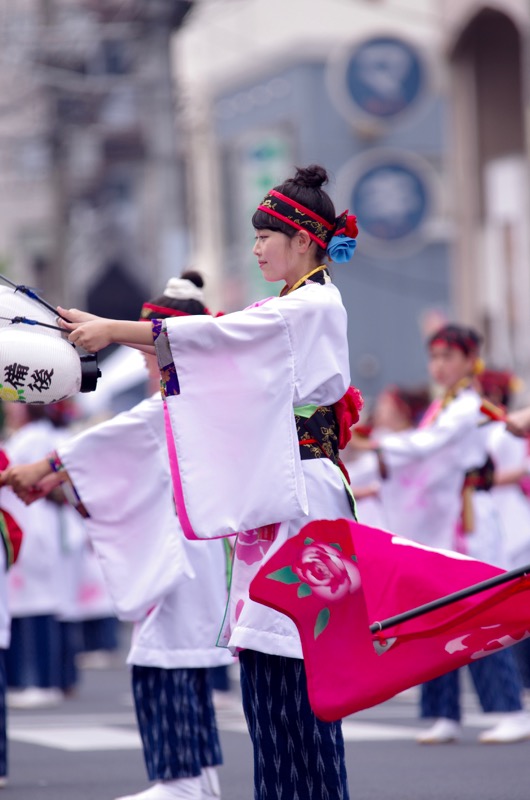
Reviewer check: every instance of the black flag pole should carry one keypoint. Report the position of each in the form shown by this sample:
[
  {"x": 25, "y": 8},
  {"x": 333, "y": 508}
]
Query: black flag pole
[
  {"x": 28, "y": 321},
  {"x": 476, "y": 588},
  {"x": 31, "y": 293}
]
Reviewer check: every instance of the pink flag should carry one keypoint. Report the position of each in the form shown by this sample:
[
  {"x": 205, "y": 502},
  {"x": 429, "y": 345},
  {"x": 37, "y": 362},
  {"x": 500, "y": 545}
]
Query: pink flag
[{"x": 336, "y": 578}]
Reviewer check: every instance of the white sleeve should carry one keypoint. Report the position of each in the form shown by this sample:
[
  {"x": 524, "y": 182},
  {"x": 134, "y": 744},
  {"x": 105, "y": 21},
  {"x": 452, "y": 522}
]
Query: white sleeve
[
  {"x": 317, "y": 323},
  {"x": 120, "y": 469},
  {"x": 461, "y": 416}
]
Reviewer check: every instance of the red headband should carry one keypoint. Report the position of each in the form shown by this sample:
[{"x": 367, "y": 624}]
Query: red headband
[
  {"x": 168, "y": 312},
  {"x": 280, "y": 206},
  {"x": 472, "y": 347}
]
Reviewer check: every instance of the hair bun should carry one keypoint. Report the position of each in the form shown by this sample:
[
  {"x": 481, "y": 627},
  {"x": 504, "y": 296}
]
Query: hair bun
[
  {"x": 193, "y": 276},
  {"x": 313, "y": 176}
]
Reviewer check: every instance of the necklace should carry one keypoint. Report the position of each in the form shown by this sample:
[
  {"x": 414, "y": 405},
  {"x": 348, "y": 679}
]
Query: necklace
[
  {"x": 302, "y": 280},
  {"x": 451, "y": 394}
]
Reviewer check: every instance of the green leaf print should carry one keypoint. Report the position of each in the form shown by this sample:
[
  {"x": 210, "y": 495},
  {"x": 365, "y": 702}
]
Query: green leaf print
[
  {"x": 304, "y": 590},
  {"x": 321, "y": 621},
  {"x": 284, "y": 575}
]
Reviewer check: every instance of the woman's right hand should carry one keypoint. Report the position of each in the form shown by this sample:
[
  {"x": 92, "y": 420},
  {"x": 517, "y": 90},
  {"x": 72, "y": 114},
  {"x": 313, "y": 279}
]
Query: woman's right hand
[{"x": 92, "y": 334}]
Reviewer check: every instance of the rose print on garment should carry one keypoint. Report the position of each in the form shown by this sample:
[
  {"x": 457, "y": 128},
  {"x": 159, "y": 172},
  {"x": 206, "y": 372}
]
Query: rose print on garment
[
  {"x": 250, "y": 548},
  {"x": 322, "y": 570}
]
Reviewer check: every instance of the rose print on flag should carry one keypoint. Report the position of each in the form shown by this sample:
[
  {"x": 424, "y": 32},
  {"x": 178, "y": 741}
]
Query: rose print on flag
[
  {"x": 322, "y": 570},
  {"x": 336, "y": 578}
]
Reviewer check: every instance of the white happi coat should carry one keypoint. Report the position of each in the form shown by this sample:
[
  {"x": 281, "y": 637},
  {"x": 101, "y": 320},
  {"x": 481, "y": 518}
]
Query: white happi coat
[
  {"x": 513, "y": 506},
  {"x": 241, "y": 376},
  {"x": 427, "y": 466},
  {"x": 93, "y": 600},
  {"x": 363, "y": 470},
  {"x": 34, "y": 581},
  {"x": 175, "y": 595}
]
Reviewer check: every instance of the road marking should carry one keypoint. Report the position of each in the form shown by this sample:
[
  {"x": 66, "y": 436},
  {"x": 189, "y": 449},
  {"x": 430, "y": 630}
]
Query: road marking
[
  {"x": 76, "y": 738},
  {"x": 375, "y": 732},
  {"x": 117, "y": 731}
]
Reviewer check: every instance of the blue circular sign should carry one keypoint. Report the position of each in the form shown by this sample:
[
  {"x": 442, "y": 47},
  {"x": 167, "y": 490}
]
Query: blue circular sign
[
  {"x": 391, "y": 200},
  {"x": 384, "y": 76}
]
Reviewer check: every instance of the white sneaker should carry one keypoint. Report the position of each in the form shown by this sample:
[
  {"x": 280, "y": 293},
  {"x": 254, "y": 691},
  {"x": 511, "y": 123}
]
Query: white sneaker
[
  {"x": 513, "y": 727},
  {"x": 442, "y": 732},
  {"x": 181, "y": 789},
  {"x": 211, "y": 789},
  {"x": 34, "y": 697},
  {"x": 3, "y": 782}
]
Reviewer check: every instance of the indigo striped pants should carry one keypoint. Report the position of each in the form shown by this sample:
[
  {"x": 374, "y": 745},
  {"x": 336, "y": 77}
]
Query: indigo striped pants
[
  {"x": 176, "y": 719},
  {"x": 296, "y": 755},
  {"x": 497, "y": 682}
]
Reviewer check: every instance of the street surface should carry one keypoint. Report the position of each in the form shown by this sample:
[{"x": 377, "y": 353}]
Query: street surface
[{"x": 88, "y": 749}]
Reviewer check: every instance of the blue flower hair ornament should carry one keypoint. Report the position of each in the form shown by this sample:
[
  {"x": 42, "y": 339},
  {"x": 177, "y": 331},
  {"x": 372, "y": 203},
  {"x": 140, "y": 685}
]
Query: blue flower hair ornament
[{"x": 343, "y": 243}]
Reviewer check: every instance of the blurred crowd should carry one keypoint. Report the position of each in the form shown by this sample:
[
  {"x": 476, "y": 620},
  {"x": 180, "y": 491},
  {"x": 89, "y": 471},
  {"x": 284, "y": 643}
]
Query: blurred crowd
[
  {"x": 384, "y": 500},
  {"x": 61, "y": 614}
]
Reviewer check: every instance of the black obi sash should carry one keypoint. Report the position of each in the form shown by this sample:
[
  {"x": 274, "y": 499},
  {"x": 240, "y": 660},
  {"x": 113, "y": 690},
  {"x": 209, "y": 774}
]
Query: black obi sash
[
  {"x": 318, "y": 437},
  {"x": 480, "y": 478}
]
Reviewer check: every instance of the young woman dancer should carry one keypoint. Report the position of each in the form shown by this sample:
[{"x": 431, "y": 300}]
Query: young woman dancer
[
  {"x": 173, "y": 589},
  {"x": 252, "y": 399}
]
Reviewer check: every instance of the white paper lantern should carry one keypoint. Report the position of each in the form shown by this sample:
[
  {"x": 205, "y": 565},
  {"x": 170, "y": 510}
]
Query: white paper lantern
[
  {"x": 36, "y": 368},
  {"x": 16, "y": 304}
]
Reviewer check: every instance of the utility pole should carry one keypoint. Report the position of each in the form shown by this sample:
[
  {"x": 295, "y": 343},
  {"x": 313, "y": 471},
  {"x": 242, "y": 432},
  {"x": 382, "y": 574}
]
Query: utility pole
[{"x": 166, "y": 210}]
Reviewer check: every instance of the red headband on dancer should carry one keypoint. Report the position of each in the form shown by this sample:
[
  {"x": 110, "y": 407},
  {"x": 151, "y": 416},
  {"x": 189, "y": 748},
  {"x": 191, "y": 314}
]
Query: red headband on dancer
[
  {"x": 464, "y": 339},
  {"x": 303, "y": 219}
]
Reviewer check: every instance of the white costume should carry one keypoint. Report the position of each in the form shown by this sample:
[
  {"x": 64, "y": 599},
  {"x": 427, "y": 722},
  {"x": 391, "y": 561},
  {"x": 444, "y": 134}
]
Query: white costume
[
  {"x": 174, "y": 591},
  {"x": 246, "y": 374},
  {"x": 427, "y": 467},
  {"x": 363, "y": 470},
  {"x": 34, "y": 580},
  {"x": 513, "y": 506}
]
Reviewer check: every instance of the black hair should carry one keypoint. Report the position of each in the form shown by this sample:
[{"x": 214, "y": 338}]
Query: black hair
[
  {"x": 413, "y": 401},
  {"x": 466, "y": 339},
  {"x": 305, "y": 188}
]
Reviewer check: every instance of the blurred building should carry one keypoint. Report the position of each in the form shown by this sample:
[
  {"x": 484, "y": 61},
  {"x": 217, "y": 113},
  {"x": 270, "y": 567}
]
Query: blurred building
[
  {"x": 26, "y": 206},
  {"x": 361, "y": 88},
  {"x": 93, "y": 190},
  {"x": 487, "y": 51},
  {"x": 416, "y": 107}
]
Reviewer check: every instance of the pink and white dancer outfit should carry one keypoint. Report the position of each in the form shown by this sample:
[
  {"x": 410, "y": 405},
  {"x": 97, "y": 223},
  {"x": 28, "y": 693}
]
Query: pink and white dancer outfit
[
  {"x": 509, "y": 454},
  {"x": 233, "y": 388},
  {"x": 427, "y": 468},
  {"x": 247, "y": 374},
  {"x": 173, "y": 590},
  {"x": 34, "y": 656},
  {"x": 423, "y": 499}
]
